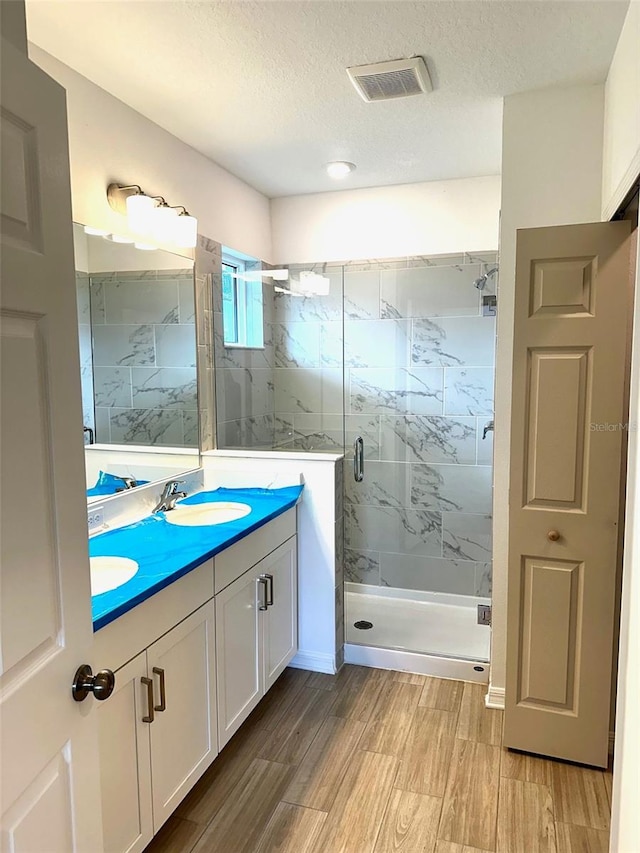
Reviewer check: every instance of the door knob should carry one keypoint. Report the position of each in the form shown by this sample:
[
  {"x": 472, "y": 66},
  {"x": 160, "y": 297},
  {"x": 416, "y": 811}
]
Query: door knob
[
  {"x": 553, "y": 536},
  {"x": 84, "y": 682}
]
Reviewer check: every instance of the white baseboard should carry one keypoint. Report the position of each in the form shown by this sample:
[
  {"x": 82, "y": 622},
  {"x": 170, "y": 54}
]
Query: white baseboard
[
  {"x": 494, "y": 697},
  {"x": 315, "y": 661},
  {"x": 441, "y": 667}
]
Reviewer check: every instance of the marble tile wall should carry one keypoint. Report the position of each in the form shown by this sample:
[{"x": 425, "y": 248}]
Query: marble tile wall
[
  {"x": 144, "y": 357},
  {"x": 408, "y": 365}
]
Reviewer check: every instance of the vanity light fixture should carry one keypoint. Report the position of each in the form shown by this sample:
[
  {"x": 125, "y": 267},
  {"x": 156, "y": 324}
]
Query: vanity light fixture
[
  {"x": 140, "y": 210},
  {"x": 163, "y": 221},
  {"x": 95, "y": 232},
  {"x": 339, "y": 169},
  {"x": 152, "y": 218},
  {"x": 117, "y": 238},
  {"x": 185, "y": 231},
  {"x": 146, "y": 247}
]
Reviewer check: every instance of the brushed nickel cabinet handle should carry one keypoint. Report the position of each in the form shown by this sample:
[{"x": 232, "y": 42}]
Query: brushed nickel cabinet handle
[
  {"x": 269, "y": 580},
  {"x": 262, "y": 584},
  {"x": 163, "y": 699},
  {"x": 148, "y": 683}
]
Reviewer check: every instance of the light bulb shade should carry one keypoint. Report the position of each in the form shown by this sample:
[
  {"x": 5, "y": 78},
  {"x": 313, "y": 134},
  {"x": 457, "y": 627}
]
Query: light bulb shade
[
  {"x": 185, "y": 231},
  {"x": 95, "y": 232},
  {"x": 164, "y": 223},
  {"x": 140, "y": 210}
]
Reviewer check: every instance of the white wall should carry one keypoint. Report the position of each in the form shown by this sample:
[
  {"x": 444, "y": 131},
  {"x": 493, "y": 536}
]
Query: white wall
[
  {"x": 622, "y": 116},
  {"x": 551, "y": 175},
  {"x": 433, "y": 218},
  {"x": 108, "y": 141},
  {"x": 625, "y": 830}
]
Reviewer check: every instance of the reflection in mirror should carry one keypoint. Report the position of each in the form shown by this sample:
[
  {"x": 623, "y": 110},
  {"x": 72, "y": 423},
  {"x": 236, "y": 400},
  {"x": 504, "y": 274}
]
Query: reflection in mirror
[{"x": 136, "y": 318}]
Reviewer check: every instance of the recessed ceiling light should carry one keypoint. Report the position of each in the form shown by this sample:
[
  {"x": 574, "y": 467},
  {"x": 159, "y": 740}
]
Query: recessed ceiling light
[{"x": 339, "y": 169}]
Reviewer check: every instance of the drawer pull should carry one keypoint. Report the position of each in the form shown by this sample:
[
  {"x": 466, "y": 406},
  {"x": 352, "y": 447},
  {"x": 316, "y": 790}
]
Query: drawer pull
[
  {"x": 163, "y": 699},
  {"x": 262, "y": 598},
  {"x": 148, "y": 683},
  {"x": 269, "y": 580}
]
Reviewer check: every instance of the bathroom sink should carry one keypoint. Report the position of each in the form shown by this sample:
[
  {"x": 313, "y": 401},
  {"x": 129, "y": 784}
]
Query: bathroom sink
[
  {"x": 109, "y": 573},
  {"x": 197, "y": 515}
]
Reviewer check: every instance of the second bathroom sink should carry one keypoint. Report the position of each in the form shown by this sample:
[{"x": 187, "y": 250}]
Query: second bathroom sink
[{"x": 109, "y": 573}]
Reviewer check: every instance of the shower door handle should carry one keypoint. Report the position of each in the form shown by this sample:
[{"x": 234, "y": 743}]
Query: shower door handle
[{"x": 358, "y": 459}]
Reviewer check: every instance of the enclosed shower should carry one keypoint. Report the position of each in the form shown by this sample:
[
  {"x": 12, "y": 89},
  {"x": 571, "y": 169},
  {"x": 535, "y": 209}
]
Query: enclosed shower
[{"x": 392, "y": 364}]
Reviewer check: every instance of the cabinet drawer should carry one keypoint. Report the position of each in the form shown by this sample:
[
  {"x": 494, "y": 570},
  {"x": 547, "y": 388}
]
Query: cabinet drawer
[{"x": 237, "y": 559}]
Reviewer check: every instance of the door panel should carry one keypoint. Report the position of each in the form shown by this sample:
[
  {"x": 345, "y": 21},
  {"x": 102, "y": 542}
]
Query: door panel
[
  {"x": 280, "y": 622},
  {"x": 48, "y": 800},
  {"x": 48, "y": 803},
  {"x": 551, "y": 595},
  {"x": 557, "y": 393},
  {"x": 238, "y": 667},
  {"x": 183, "y": 735},
  {"x": 570, "y": 350},
  {"x": 125, "y": 762}
]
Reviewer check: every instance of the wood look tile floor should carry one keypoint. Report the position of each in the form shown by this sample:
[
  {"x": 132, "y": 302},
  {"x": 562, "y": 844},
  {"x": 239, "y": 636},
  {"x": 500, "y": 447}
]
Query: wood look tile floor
[{"x": 372, "y": 761}]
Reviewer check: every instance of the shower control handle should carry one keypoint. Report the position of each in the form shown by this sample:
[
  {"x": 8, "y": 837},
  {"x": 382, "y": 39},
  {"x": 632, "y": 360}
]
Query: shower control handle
[{"x": 358, "y": 459}]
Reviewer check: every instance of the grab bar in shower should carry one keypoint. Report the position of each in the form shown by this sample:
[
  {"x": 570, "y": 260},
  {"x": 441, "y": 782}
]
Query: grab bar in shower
[{"x": 358, "y": 459}]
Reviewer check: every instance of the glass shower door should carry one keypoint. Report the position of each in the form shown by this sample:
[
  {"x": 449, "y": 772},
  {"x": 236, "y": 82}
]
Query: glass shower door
[{"x": 418, "y": 362}]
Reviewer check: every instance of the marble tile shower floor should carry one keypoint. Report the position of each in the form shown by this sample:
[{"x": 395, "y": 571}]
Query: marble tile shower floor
[{"x": 417, "y": 626}]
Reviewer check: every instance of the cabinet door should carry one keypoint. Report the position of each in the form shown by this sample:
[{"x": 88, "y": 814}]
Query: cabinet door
[
  {"x": 184, "y": 731},
  {"x": 280, "y": 620},
  {"x": 238, "y": 668},
  {"x": 125, "y": 763}
]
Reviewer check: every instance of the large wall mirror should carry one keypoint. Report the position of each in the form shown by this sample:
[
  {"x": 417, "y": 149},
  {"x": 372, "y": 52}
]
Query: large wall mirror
[{"x": 136, "y": 317}]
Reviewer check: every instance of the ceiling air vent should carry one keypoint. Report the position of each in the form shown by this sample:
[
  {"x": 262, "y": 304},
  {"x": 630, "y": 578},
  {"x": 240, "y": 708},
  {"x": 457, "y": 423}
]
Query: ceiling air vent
[{"x": 398, "y": 78}]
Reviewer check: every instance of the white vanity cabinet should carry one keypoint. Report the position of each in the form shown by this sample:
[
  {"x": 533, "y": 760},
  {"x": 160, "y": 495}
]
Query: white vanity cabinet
[
  {"x": 256, "y": 635},
  {"x": 191, "y": 662},
  {"x": 158, "y": 732}
]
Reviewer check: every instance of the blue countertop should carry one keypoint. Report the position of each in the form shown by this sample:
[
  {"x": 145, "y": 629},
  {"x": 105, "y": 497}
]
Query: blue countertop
[{"x": 166, "y": 552}]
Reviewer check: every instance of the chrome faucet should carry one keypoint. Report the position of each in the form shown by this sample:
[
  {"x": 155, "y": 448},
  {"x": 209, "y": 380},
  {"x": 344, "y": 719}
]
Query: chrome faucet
[
  {"x": 169, "y": 496},
  {"x": 488, "y": 428},
  {"x": 129, "y": 483}
]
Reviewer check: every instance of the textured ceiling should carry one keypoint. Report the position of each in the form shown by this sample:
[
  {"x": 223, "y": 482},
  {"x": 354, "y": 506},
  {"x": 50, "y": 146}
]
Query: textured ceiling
[{"x": 261, "y": 87}]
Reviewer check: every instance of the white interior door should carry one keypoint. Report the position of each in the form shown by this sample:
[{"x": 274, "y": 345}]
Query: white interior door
[
  {"x": 570, "y": 351},
  {"x": 49, "y": 745}
]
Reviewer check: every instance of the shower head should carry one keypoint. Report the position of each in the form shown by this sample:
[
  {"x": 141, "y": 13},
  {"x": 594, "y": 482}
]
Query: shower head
[{"x": 481, "y": 282}]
